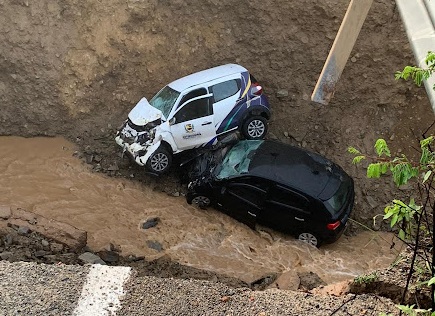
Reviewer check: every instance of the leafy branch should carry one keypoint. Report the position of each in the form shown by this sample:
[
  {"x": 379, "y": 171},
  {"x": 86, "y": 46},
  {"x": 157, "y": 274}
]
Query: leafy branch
[{"x": 417, "y": 74}]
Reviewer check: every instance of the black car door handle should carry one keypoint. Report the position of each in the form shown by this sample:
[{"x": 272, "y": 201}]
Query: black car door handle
[
  {"x": 206, "y": 123},
  {"x": 299, "y": 219}
]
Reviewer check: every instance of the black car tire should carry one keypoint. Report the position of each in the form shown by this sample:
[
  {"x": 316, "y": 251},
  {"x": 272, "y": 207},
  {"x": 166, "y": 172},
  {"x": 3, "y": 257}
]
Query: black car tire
[
  {"x": 310, "y": 239},
  {"x": 201, "y": 201},
  {"x": 254, "y": 127},
  {"x": 160, "y": 161}
]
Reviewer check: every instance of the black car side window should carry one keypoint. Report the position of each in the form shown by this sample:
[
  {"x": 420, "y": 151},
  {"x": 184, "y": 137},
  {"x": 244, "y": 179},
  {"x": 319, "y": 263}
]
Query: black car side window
[
  {"x": 287, "y": 197},
  {"x": 259, "y": 183},
  {"x": 248, "y": 193}
]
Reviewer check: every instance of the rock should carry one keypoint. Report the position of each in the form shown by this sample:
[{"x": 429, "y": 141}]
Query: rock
[
  {"x": 406, "y": 187},
  {"x": 109, "y": 256},
  {"x": 56, "y": 248},
  {"x": 310, "y": 280},
  {"x": 272, "y": 136},
  {"x": 263, "y": 282},
  {"x": 288, "y": 280},
  {"x": 60, "y": 232},
  {"x": 176, "y": 194},
  {"x": 45, "y": 243},
  {"x": 89, "y": 159},
  {"x": 23, "y": 230},
  {"x": 150, "y": 222},
  {"x": 6, "y": 255},
  {"x": 89, "y": 257},
  {"x": 112, "y": 247},
  {"x": 33, "y": 221},
  {"x": 353, "y": 59},
  {"x": 133, "y": 258},
  {"x": 286, "y": 134},
  {"x": 282, "y": 93},
  {"x": 154, "y": 245},
  {"x": 113, "y": 168},
  {"x": 5, "y": 212},
  {"x": 40, "y": 253},
  {"x": 336, "y": 289},
  {"x": 371, "y": 201},
  {"x": 8, "y": 240}
]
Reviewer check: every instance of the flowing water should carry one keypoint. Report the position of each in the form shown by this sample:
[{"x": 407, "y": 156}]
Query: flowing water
[{"x": 43, "y": 176}]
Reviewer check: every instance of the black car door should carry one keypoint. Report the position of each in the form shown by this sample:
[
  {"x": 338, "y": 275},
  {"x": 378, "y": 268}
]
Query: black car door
[
  {"x": 242, "y": 200},
  {"x": 285, "y": 210}
]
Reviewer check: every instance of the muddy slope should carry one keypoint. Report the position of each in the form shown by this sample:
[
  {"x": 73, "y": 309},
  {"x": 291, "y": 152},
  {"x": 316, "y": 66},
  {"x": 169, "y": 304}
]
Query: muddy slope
[{"x": 75, "y": 68}]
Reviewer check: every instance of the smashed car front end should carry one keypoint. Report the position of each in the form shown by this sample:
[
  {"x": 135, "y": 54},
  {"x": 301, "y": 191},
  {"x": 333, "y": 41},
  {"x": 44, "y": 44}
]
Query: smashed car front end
[{"x": 138, "y": 142}]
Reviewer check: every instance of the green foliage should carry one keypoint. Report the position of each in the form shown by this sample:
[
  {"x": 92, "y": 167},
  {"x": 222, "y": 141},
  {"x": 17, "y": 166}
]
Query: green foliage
[
  {"x": 382, "y": 148},
  {"x": 401, "y": 169},
  {"x": 417, "y": 74},
  {"x": 375, "y": 170},
  {"x": 401, "y": 214},
  {"x": 410, "y": 310},
  {"x": 358, "y": 157},
  {"x": 367, "y": 278},
  {"x": 413, "y": 222}
]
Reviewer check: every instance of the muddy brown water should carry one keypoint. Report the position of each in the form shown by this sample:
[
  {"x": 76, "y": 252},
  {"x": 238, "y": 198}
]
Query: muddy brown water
[{"x": 42, "y": 175}]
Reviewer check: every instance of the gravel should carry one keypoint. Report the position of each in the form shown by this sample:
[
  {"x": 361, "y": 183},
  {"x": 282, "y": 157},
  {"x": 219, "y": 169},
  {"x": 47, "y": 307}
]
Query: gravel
[
  {"x": 154, "y": 296},
  {"x": 38, "y": 289}
]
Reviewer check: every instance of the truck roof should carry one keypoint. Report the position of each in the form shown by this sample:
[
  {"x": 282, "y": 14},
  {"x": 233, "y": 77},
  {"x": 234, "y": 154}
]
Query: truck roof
[{"x": 205, "y": 76}]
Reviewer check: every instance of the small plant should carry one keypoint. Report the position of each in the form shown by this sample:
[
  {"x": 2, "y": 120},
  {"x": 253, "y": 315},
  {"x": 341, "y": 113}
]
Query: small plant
[{"x": 367, "y": 278}]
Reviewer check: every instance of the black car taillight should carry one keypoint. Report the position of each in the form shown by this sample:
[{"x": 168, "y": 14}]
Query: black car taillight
[{"x": 333, "y": 226}]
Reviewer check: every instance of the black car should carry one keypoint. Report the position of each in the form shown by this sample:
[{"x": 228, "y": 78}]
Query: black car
[{"x": 273, "y": 184}]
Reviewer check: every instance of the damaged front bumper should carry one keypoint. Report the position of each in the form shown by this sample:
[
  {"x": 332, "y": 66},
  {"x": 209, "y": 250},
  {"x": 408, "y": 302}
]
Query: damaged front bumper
[{"x": 139, "y": 152}]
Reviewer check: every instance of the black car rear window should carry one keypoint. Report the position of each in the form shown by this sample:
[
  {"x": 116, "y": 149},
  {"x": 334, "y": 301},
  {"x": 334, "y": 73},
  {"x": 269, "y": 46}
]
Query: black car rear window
[
  {"x": 336, "y": 202},
  {"x": 237, "y": 159}
]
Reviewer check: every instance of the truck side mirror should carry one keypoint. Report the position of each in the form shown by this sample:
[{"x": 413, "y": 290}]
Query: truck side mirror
[{"x": 172, "y": 121}]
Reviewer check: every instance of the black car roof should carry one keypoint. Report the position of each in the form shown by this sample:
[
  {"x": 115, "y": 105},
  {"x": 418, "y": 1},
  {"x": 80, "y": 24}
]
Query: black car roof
[{"x": 297, "y": 168}]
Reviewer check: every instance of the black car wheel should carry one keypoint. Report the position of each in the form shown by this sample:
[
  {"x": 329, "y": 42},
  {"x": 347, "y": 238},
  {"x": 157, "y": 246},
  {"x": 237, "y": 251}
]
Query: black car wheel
[
  {"x": 309, "y": 238},
  {"x": 255, "y": 127},
  {"x": 160, "y": 161},
  {"x": 201, "y": 201}
]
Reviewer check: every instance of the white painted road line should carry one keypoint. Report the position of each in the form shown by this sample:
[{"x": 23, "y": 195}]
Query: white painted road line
[{"x": 102, "y": 291}]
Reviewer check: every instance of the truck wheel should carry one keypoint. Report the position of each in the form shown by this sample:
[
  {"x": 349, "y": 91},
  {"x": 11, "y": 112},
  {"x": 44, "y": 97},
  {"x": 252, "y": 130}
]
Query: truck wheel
[
  {"x": 160, "y": 161},
  {"x": 255, "y": 127}
]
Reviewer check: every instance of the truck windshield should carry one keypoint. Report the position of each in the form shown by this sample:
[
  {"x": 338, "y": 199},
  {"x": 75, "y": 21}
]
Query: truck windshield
[
  {"x": 164, "y": 100},
  {"x": 237, "y": 159}
]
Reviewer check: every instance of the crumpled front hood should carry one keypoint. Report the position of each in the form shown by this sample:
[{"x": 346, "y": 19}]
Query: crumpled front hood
[{"x": 143, "y": 113}]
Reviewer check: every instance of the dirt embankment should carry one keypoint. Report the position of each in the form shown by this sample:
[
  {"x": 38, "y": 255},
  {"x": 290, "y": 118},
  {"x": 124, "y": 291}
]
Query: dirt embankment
[{"x": 75, "y": 68}]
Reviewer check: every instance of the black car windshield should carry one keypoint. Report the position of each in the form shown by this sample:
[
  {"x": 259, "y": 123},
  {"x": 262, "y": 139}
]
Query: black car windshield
[
  {"x": 339, "y": 199},
  {"x": 164, "y": 100},
  {"x": 237, "y": 159}
]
